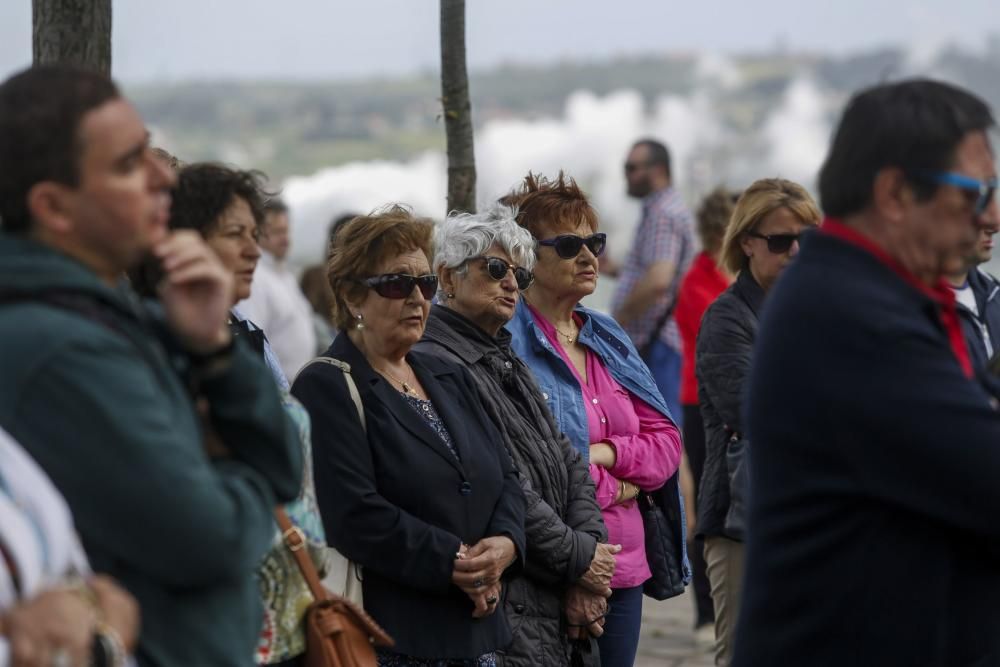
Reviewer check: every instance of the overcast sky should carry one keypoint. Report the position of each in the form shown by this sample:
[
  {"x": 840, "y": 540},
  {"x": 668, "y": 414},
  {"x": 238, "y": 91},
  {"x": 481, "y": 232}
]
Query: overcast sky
[{"x": 322, "y": 39}]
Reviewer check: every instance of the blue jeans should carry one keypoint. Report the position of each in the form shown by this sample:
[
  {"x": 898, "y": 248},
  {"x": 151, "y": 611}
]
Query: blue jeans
[
  {"x": 620, "y": 641},
  {"x": 665, "y": 364}
]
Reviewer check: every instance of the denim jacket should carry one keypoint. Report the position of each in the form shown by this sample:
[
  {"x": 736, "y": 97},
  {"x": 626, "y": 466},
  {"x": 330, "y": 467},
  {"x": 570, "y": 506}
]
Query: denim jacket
[{"x": 603, "y": 336}]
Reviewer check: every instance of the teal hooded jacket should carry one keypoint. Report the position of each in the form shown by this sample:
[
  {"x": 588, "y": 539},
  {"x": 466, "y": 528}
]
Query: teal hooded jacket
[{"x": 103, "y": 405}]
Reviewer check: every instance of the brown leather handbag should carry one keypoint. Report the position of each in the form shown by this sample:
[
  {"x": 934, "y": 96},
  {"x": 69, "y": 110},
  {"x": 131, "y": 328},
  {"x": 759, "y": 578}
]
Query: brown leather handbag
[{"x": 338, "y": 632}]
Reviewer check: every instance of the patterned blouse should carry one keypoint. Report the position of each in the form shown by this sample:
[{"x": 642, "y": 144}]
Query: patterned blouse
[{"x": 426, "y": 410}]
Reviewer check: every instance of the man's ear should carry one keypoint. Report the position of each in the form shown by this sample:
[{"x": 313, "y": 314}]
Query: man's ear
[
  {"x": 891, "y": 193},
  {"x": 50, "y": 206}
]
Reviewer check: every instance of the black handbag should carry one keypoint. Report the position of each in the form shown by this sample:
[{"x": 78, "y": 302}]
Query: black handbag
[
  {"x": 665, "y": 541},
  {"x": 734, "y": 525}
]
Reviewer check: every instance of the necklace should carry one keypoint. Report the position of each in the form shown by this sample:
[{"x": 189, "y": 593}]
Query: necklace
[
  {"x": 407, "y": 388},
  {"x": 570, "y": 338}
]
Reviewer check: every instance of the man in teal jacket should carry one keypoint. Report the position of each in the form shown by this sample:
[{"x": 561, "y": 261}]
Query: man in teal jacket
[{"x": 100, "y": 390}]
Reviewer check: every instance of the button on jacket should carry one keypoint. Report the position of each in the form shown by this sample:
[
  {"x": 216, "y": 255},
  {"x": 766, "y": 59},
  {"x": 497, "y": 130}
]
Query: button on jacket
[{"x": 398, "y": 502}]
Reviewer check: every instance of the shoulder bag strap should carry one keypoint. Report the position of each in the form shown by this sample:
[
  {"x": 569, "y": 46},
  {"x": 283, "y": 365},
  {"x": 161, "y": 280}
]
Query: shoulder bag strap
[
  {"x": 351, "y": 387},
  {"x": 291, "y": 534},
  {"x": 295, "y": 540}
]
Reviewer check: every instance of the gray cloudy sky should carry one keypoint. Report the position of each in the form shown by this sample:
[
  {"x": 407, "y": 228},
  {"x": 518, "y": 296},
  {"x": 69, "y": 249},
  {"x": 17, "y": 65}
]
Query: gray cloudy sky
[{"x": 181, "y": 39}]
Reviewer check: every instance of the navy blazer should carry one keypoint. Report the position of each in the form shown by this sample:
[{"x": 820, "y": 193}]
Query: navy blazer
[
  {"x": 398, "y": 502},
  {"x": 873, "y": 536}
]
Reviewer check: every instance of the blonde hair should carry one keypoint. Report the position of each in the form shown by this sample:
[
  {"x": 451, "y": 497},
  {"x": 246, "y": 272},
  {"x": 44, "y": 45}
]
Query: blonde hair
[{"x": 756, "y": 203}]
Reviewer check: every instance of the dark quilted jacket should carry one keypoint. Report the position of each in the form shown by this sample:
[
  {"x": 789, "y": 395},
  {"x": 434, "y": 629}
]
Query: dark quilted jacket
[
  {"x": 563, "y": 521},
  {"x": 722, "y": 366}
]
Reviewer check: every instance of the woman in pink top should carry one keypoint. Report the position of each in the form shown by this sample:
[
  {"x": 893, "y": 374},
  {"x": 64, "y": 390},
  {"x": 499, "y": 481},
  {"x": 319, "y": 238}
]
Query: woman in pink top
[{"x": 601, "y": 393}]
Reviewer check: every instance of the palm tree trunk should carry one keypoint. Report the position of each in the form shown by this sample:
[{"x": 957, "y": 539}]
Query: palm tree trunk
[
  {"x": 72, "y": 31},
  {"x": 457, "y": 108}
]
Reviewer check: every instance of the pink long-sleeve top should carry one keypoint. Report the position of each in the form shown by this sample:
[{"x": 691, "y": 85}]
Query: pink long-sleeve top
[{"x": 648, "y": 448}]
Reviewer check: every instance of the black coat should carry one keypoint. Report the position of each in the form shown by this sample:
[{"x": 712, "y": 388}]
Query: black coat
[
  {"x": 722, "y": 366},
  {"x": 563, "y": 521},
  {"x": 398, "y": 502},
  {"x": 874, "y": 479},
  {"x": 987, "y": 292}
]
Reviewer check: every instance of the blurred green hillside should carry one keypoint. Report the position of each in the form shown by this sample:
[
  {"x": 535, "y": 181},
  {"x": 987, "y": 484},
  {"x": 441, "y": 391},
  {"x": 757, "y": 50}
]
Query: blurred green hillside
[{"x": 288, "y": 128}]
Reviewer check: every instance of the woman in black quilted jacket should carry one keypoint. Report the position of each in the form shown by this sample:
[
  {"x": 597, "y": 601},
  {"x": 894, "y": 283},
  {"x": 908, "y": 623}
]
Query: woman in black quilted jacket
[
  {"x": 558, "y": 602},
  {"x": 762, "y": 238}
]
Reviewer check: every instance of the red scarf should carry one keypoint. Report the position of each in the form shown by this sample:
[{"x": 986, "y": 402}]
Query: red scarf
[{"x": 940, "y": 293}]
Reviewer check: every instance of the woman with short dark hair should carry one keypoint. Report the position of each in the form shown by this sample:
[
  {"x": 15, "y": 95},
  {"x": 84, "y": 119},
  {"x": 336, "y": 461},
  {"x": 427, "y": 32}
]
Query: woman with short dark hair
[{"x": 226, "y": 206}]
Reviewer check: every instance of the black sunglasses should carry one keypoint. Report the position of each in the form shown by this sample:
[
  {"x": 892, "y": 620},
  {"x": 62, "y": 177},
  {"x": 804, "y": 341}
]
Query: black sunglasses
[
  {"x": 400, "y": 285},
  {"x": 498, "y": 268},
  {"x": 569, "y": 246},
  {"x": 777, "y": 244}
]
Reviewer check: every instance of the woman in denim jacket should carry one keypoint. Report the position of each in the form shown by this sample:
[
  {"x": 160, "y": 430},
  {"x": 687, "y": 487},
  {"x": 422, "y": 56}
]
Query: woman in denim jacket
[{"x": 602, "y": 394}]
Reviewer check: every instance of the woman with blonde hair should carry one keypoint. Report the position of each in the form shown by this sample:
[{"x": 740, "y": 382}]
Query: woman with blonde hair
[{"x": 761, "y": 239}]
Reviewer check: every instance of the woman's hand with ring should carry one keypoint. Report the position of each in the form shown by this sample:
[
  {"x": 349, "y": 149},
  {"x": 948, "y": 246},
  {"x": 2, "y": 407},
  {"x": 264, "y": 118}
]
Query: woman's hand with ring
[
  {"x": 482, "y": 601},
  {"x": 483, "y": 564}
]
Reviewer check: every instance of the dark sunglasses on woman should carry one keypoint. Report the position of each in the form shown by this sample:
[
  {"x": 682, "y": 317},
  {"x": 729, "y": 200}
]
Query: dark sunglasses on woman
[
  {"x": 568, "y": 246},
  {"x": 498, "y": 268},
  {"x": 777, "y": 244},
  {"x": 400, "y": 285}
]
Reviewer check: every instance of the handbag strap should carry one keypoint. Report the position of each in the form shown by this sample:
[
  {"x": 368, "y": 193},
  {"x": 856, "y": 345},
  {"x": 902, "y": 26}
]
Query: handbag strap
[
  {"x": 351, "y": 387},
  {"x": 295, "y": 540},
  {"x": 292, "y": 535}
]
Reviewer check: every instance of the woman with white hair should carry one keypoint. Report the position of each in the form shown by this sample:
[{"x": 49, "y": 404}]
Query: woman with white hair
[{"x": 483, "y": 261}]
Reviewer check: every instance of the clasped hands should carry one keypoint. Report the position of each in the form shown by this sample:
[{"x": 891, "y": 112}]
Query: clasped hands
[
  {"x": 478, "y": 570},
  {"x": 586, "y": 601}
]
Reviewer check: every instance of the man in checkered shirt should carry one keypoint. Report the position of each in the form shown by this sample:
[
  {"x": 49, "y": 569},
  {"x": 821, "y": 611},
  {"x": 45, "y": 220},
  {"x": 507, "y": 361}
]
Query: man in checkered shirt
[{"x": 648, "y": 280}]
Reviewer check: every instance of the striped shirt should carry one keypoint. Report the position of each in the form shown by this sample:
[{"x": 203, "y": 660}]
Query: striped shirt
[{"x": 665, "y": 234}]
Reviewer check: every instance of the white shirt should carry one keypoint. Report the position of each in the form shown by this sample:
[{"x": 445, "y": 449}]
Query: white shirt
[
  {"x": 36, "y": 529},
  {"x": 967, "y": 298},
  {"x": 277, "y": 305}
]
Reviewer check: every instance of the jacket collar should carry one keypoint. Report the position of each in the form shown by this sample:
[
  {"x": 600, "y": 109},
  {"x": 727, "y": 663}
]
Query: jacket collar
[
  {"x": 984, "y": 287},
  {"x": 372, "y": 386},
  {"x": 461, "y": 336},
  {"x": 748, "y": 290}
]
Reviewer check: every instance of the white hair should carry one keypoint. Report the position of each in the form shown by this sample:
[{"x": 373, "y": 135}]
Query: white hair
[{"x": 463, "y": 236}]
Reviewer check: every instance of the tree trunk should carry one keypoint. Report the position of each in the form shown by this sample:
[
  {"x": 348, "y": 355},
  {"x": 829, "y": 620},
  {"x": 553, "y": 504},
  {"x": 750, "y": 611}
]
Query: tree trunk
[
  {"x": 77, "y": 32},
  {"x": 457, "y": 109}
]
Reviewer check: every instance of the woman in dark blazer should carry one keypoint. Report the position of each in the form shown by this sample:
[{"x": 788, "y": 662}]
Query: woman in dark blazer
[{"x": 423, "y": 495}]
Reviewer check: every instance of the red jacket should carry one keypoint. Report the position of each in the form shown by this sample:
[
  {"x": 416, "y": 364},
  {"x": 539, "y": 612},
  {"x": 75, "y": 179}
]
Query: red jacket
[{"x": 700, "y": 287}]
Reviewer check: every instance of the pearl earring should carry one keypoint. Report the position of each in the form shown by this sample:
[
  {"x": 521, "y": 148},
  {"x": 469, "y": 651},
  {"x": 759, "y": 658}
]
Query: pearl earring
[
  {"x": 360, "y": 323},
  {"x": 450, "y": 295}
]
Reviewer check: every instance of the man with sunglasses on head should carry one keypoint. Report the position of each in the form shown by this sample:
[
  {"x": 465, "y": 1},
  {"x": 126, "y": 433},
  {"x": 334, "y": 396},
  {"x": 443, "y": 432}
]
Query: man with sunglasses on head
[
  {"x": 872, "y": 536},
  {"x": 661, "y": 253},
  {"x": 977, "y": 293}
]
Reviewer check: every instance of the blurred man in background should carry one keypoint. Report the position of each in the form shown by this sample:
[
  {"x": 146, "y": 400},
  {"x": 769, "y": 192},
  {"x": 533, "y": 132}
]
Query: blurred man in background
[
  {"x": 978, "y": 298},
  {"x": 648, "y": 281}
]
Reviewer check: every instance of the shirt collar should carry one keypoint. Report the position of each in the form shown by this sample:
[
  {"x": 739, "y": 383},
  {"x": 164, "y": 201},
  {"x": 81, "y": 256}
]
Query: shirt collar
[{"x": 940, "y": 292}]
